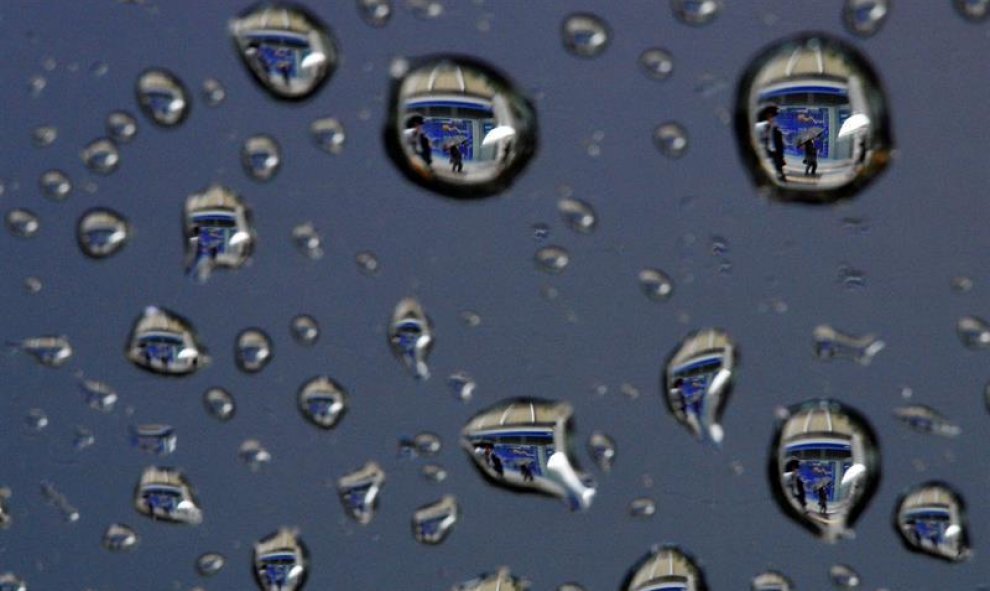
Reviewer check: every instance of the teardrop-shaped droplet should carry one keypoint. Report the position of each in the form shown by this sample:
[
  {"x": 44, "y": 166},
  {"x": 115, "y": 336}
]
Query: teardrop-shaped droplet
[
  {"x": 925, "y": 419},
  {"x": 843, "y": 576},
  {"x": 698, "y": 381},
  {"x": 213, "y": 92},
  {"x": 585, "y": 34},
  {"x": 657, "y": 285},
  {"x": 163, "y": 98},
  {"x": 502, "y": 580},
  {"x": 459, "y": 127},
  {"x": 55, "y": 184},
  {"x": 601, "y": 448},
  {"x": 671, "y": 139},
  {"x": 11, "y": 582},
  {"x": 280, "y": 562},
  {"x": 642, "y": 507},
  {"x": 254, "y": 455},
  {"x": 121, "y": 126},
  {"x": 22, "y": 223},
  {"x": 152, "y": 438},
  {"x": 577, "y": 215},
  {"x": 218, "y": 232},
  {"x": 50, "y": 351},
  {"x": 163, "y": 342},
  {"x": 261, "y": 157},
  {"x": 696, "y": 12},
  {"x": 219, "y": 404},
  {"x": 657, "y": 63},
  {"x": 410, "y": 335},
  {"x": 102, "y": 232},
  {"x": 98, "y": 395},
  {"x": 523, "y": 443},
  {"x": 771, "y": 581},
  {"x": 305, "y": 330},
  {"x": 552, "y": 259},
  {"x": 375, "y": 13},
  {"x": 461, "y": 385},
  {"x": 210, "y": 563},
  {"x": 665, "y": 568},
  {"x": 288, "y": 50},
  {"x": 833, "y": 344},
  {"x": 824, "y": 467},
  {"x": 973, "y": 10},
  {"x": 119, "y": 538},
  {"x": 431, "y": 524},
  {"x": 864, "y": 17},
  {"x": 322, "y": 401},
  {"x": 253, "y": 350},
  {"x": 359, "y": 491},
  {"x": 101, "y": 156},
  {"x": 328, "y": 134},
  {"x": 812, "y": 120},
  {"x": 308, "y": 240},
  {"x": 165, "y": 494},
  {"x": 931, "y": 519},
  {"x": 974, "y": 332}
]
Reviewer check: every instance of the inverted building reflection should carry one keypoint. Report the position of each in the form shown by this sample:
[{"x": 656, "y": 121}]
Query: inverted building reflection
[
  {"x": 698, "y": 379},
  {"x": 930, "y": 520}
]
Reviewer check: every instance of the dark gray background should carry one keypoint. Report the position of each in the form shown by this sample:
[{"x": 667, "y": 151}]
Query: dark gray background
[{"x": 925, "y": 222}]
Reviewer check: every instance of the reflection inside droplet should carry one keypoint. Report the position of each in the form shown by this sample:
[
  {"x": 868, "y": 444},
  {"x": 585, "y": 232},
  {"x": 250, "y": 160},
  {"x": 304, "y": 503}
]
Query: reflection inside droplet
[
  {"x": 162, "y": 97},
  {"x": 585, "y": 34},
  {"x": 359, "y": 490},
  {"x": 698, "y": 380},
  {"x": 322, "y": 401},
  {"x": 410, "y": 335},
  {"x": 864, "y": 17},
  {"x": 165, "y": 494},
  {"x": 833, "y": 344},
  {"x": 665, "y": 568},
  {"x": 119, "y": 538},
  {"x": 305, "y": 330},
  {"x": 102, "y": 233},
  {"x": 502, "y": 580},
  {"x": 924, "y": 419},
  {"x": 210, "y": 563},
  {"x": 101, "y": 156},
  {"x": 843, "y": 576},
  {"x": 261, "y": 157},
  {"x": 219, "y": 404},
  {"x": 432, "y": 523},
  {"x": 931, "y": 520},
  {"x": 164, "y": 342},
  {"x": 280, "y": 562},
  {"x": 771, "y": 581},
  {"x": 656, "y": 63},
  {"x": 696, "y": 12},
  {"x": 252, "y": 350},
  {"x": 218, "y": 232}
]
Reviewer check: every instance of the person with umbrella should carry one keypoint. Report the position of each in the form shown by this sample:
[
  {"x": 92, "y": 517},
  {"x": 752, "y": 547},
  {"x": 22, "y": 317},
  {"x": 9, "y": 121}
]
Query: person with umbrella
[
  {"x": 417, "y": 140},
  {"x": 772, "y": 138},
  {"x": 807, "y": 141}
]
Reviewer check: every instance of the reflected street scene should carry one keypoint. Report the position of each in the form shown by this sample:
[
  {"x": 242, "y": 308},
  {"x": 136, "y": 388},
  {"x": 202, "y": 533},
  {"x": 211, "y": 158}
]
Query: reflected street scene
[
  {"x": 698, "y": 380},
  {"x": 163, "y": 342},
  {"x": 164, "y": 494},
  {"x": 930, "y": 519},
  {"x": 218, "y": 232},
  {"x": 280, "y": 562},
  {"x": 771, "y": 581},
  {"x": 665, "y": 569},
  {"x": 501, "y": 580}
]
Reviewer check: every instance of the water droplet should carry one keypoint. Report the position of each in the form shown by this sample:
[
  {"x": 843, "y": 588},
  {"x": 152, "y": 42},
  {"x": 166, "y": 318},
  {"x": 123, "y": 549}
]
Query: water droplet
[
  {"x": 926, "y": 420},
  {"x": 101, "y": 156},
  {"x": 55, "y": 498},
  {"x": 308, "y": 240},
  {"x": 367, "y": 262},
  {"x": 696, "y": 12},
  {"x": 577, "y": 215},
  {"x": 931, "y": 519},
  {"x": 461, "y": 385},
  {"x": 305, "y": 330},
  {"x": 833, "y": 344},
  {"x": 601, "y": 448},
  {"x": 432, "y": 523},
  {"x": 253, "y": 350},
  {"x": 102, "y": 232},
  {"x": 502, "y": 580},
  {"x": 11, "y": 582},
  {"x": 825, "y": 466},
  {"x": 812, "y": 120},
  {"x": 552, "y": 259},
  {"x": 287, "y": 49},
  {"x": 163, "y": 342},
  {"x": 5, "y": 517},
  {"x": 698, "y": 381},
  {"x": 375, "y": 13},
  {"x": 99, "y": 395},
  {"x": 36, "y": 85},
  {"x": 32, "y": 284},
  {"x": 210, "y": 563},
  {"x": 665, "y": 568},
  {"x": 974, "y": 332},
  {"x": 254, "y": 454},
  {"x": 470, "y": 318},
  {"x": 425, "y": 9},
  {"x": 585, "y": 35},
  {"x": 261, "y": 157},
  {"x": 466, "y": 113},
  {"x": 570, "y": 587},
  {"x": 36, "y": 419},
  {"x": 973, "y": 10},
  {"x": 771, "y": 581},
  {"x": 119, "y": 538},
  {"x": 359, "y": 492},
  {"x": 427, "y": 444},
  {"x": 22, "y": 223},
  {"x": 55, "y": 185},
  {"x": 50, "y": 351},
  {"x": 493, "y": 440},
  {"x": 656, "y": 63},
  {"x": 851, "y": 279},
  {"x": 541, "y": 231},
  {"x": 864, "y": 17},
  {"x": 159, "y": 440},
  {"x": 218, "y": 232},
  {"x": 84, "y": 438},
  {"x": 433, "y": 472},
  {"x": 165, "y": 494},
  {"x": 219, "y": 404},
  {"x": 642, "y": 507},
  {"x": 44, "y": 135},
  {"x": 329, "y": 135},
  {"x": 280, "y": 562},
  {"x": 213, "y": 92},
  {"x": 121, "y": 126},
  {"x": 656, "y": 284},
  {"x": 162, "y": 97},
  {"x": 410, "y": 335},
  {"x": 961, "y": 284},
  {"x": 99, "y": 69},
  {"x": 671, "y": 139},
  {"x": 843, "y": 576},
  {"x": 322, "y": 401}
]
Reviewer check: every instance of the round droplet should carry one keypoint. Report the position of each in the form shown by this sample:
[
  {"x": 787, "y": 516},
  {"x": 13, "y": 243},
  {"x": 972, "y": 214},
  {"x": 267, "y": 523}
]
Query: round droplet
[
  {"x": 55, "y": 185},
  {"x": 163, "y": 98},
  {"x": 425, "y": 9},
  {"x": 663, "y": 568},
  {"x": 656, "y": 284},
  {"x": 121, "y": 126},
  {"x": 696, "y": 12},
  {"x": 431, "y": 524},
  {"x": 305, "y": 330},
  {"x": 322, "y": 401},
  {"x": 642, "y": 507},
  {"x": 210, "y": 563},
  {"x": 287, "y": 49},
  {"x": 931, "y": 519},
  {"x": 843, "y": 576},
  {"x": 33, "y": 284},
  {"x": 585, "y": 35},
  {"x": 376, "y": 13},
  {"x": 253, "y": 350},
  {"x": 811, "y": 120},
  {"x": 601, "y": 448},
  {"x": 22, "y": 223},
  {"x": 308, "y": 240},
  {"x": 261, "y": 157},
  {"x": 219, "y": 404},
  {"x": 280, "y": 562},
  {"x": 44, "y": 135},
  {"x": 974, "y": 332},
  {"x": 973, "y": 10},
  {"x": 657, "y": 63},
  {"x": 213, "y": 92},
  {"x": 119, "y": 538},
  {"x": 11, "y": 582},
  {"x": 367, "y": 262},
  {"x": 328, "y": 134},
  {"x": 577, "y": 215},
  {"x": 552, "y": 259},
  {"x": 165, "y": 343},
  {"x": 36, "y": 419},
  {"x": 459, "y": 127},
  {"x": 102, "y": 233},
  {"x": 165, "y": 494},
  {"x": 254, "y": 454},
  {"x": 864, "y": 17},
  {"x": 461, "y": 385},
  {"x": 427, "y": 444},
  {"x": 671, "y": 139},
  {"x": 101, "y": 156},
  {"x": 771, "y": 581},
  {"x": 433, "y": 472}
]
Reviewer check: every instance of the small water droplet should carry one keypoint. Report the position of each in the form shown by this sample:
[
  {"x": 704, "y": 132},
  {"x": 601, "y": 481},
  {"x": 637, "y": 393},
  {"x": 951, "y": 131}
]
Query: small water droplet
[
  {"x": 425, "y": 9},
  {"x": 973, "y": 10},
  {"x": 22, "y": 223},
  {"x": 656, "y": 284},
  {"x": 213, "y": 92},
  {"x": 433, "y": 472},
  {"x": 410, "y": 336},
  {"x": 55, "y": 185},
  {"x": 32, "y": 284},
  {"x": 280, "y": 562},
  {"x": 165, "y": 494},
  {"x": 261, "y": 157},
  {"x": 218, "y": 232},
  {"x": 121, "y": 126},
  {"x": 367, "y": 262},
  {"x": 570, "y": 587},
  {"x": 540, "y": 231},
  {"x": 329, "y": 135},
  {"x": 219, "y": 404},
  {"x": 254, "y": 454},
  {"x": 50, "y": 351},
  {"x": 210, "y": 563},
  {"x": 470, "y": 318},
  {"x": 864, "y": 17},
  {"x": 698, "y": 382},
  {"x": 252, "y": 350},
  {"x": 585, "y": 35},
  {"x": 843, "y": 576},
  {"x": 36, "y": 419},
  {"x": 427, "y": 444},
  {"x": 461, "y": 385},
  {"x": 376, "y": 13},
  {"x": 57, "y": 499},
  {"x": 431, "y": 524},
  {"x": 833, "y": 344},
  {"x": 696, "y": 12},
  {"x": 851, "y": 279},
  {"x": 322, "y": 401},
  {"x": 974, "y": 332},
  {"x": 163, "y": 342},
  {"x": 601, "y": 448},
  {"x": 101, "y": 156},
  {"x": 36, "y": 85},
  {"x": 961, "y": 284},
  {"x": 825, "y": 466},
  {"x": 931, "y": 519},
  {"x": 552, "y": 259},
  {"x": 120, "y": 538},
  {"x": 771, "y": 581},
  {"x": 642, "y": 507},
  {"x": 671, "y": 139},
  {"x": 925, "y": 419},
  {"x": 159, "y": 440},
  {"x": 102, "y": 232},
  {"x": 98, "y": 395},
  {"x": 44, "y": 135},
  {"x": 162, "y": 97},
  {"x": 502, "y": 580},
  {"x": 83, "y": 439},
  {"x": 492, "y": 439},
  {"x": 308, "y": 240},
  {"x": 99, "y": 68},
  {"x": 663, "y": 568},
  {"x": 359, "y": 491},
  {"x": 577, "y": 215},
  {"x": 305, "y": 330},
  {"x": 11, "y": 582},
  {"x": 657, "y": 63}
]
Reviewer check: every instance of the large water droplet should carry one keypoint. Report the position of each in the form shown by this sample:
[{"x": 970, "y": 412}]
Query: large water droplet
[
  {"x": 466, "y": 113},
  {"x": 305, "y": 330},
  {"x": 254, "y": 454},
  {"x": 308, "y": 240},
  {"x": 585, "y": 34},
  {"x": 432, "y": 523},
  {"x": 163, "y": 342},
  {"x": 163, "y": 98},
  {"x": 974, "y": 332},
  {"x": 696, "y": 12},
  {"x": 119, "y": 538},
  {"x": 523, "y": 444},
  {"x": 159, "y": 440},
  {"x": 252, "y": 350},
  {"x": 375, "y": 13},
  {"x": 812, "y": 121},
  {"x": 843, "y": 576},
  {"x": 287, "y": 49},
  {"x": 601, "y": 448},
  {"x": 552, "y": 259},
  {"x": 671, "y": 139},
  {"x": 926, "y": 420},
  {"x": 102, "y": 232},
  {"x": 98, "y": 395},
  {"x": 656, "y": 63},
  {"x": 261, "y": 157},
  {"x": 931, "y": 519},
  {"x": 410, "y": 335},
  {"x": 825, "y": 466},
  {"x": 328, "y": 134},
  {"x": 665, "y": 568},
  {"x": 322, "y": 401},
  {"x": 771, "y": 581},
  {"x": 165, "y": 494},
  {"x": 359, "y": 490},
  {"x": 218, "y": 232},
  {"x": 577, "y": 215},
  {"x": 973, "y": 10},
  {"x": 121, "y": 126},
  {"x": 656, "y": 284},
  {"x": 864, "y": 17},
  {"x": 698, "y": 381},
  {"x": 55, "y": 185},
  {"x": 833, "y": 344},
  {"x": 210, "y": 563},
  {"x": 502, "y": 580},
  {"x": 11, "y": 582},
  {"x": 50, "y": 351},
  {"x": 101, "y": 156},
  {"x": 22, "y": 223},
  {"x": 280, "y": 562},
  {"x": 219, "y": 404}
]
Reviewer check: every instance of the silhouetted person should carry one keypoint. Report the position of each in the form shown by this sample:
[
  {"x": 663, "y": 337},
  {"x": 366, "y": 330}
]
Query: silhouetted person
[
  {"x": 497, "y": 466},
  {"x": 810, "y": 157},
  {"x": 456, "y": 157},
  {"x": 527, "y": 473},
  {"x": 861, "y": 159},
  {"x": 823, "y": 500}
]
